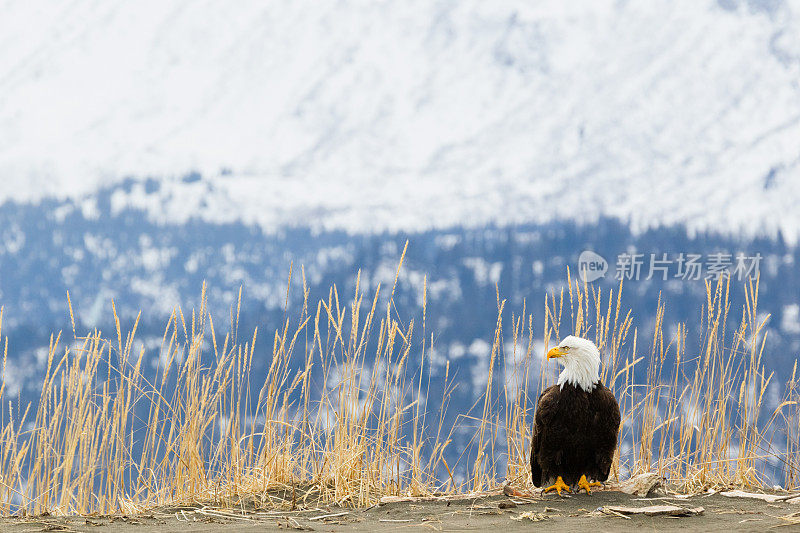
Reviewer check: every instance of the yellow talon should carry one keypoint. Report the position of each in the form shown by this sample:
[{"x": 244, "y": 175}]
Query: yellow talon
[
  {"x": 585, "y": 485},
  {"x": 558, "y": 486}
]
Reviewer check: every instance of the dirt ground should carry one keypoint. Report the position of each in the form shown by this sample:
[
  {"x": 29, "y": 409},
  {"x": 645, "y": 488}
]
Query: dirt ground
[{"x": 581, "y": 512}]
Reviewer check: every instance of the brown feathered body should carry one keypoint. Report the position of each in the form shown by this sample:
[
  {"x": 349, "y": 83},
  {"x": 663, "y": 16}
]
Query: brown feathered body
[{"x": 574, "y": 434}]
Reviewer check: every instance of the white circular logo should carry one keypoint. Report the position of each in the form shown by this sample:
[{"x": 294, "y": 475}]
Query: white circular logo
[{"x": 591, "y": 266}]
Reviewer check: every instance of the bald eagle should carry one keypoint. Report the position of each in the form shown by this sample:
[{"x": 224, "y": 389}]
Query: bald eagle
[{"x": 576, "y": 422}]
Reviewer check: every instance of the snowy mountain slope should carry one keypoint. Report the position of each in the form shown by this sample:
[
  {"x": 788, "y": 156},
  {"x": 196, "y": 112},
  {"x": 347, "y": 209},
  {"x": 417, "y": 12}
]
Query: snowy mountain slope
[{"x": 408, "y": 115}]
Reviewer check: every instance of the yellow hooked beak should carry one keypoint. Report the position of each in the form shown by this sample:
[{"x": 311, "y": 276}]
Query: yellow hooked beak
[{"x": 556, "y": 352}]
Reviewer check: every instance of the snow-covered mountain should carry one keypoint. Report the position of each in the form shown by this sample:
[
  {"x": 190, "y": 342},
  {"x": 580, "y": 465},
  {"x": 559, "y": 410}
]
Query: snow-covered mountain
[
  {"x": 408, "y": 115},
  {"x": 147, "y": 147}
]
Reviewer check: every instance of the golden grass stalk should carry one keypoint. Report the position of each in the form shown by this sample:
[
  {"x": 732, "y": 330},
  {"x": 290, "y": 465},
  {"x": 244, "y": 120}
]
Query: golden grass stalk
[{"x": 341, "y": 410}]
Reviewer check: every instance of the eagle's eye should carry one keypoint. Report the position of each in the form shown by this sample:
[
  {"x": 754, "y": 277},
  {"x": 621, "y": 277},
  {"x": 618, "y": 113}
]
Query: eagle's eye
[{"x": 565, "y": 348}]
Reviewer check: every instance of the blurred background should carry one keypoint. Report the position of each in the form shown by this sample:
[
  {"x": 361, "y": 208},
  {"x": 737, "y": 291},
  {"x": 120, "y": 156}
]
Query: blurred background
[{"x": 148, "y": 146}]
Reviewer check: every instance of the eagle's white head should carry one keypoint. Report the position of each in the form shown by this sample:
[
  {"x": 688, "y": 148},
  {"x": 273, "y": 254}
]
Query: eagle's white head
[{"x": 581, "y": 361}]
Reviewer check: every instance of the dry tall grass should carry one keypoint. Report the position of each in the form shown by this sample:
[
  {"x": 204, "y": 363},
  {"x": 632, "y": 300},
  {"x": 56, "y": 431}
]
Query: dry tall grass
[
  {"x": 344, "y": 409},
  {"x": 699, "y": 423}
]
